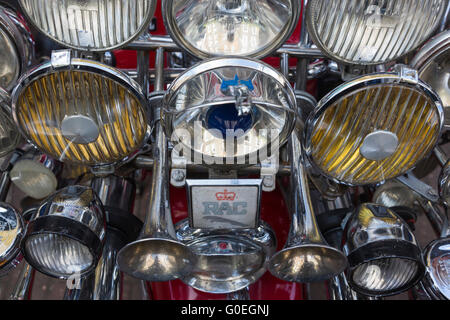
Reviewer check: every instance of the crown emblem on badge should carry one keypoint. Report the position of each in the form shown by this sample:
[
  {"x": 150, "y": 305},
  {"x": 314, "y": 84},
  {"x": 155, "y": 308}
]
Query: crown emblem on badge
[{"x": 225, "y": 195}]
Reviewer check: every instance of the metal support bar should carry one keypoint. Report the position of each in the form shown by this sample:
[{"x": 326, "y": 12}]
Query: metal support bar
[{"x": 166, "y": 43}]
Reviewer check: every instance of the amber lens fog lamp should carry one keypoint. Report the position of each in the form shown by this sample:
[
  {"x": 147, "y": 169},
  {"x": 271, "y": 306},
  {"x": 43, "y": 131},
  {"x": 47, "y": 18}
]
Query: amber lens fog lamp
[
  {"x": 374, "y": 128},
  {"x": 81, "y": 111}
]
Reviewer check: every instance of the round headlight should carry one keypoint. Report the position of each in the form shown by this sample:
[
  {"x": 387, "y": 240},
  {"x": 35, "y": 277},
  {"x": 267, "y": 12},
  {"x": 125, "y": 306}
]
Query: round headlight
[
  {"x": 368, "y": 32},
  {"x": 91, "y": 25},
  {"x": 229, "y": 109},
  {"x": 373, "y": 128},
  {"x": 433, "y": 63},
  {"x": 11, "y": 233},
  {"x": 383, "y": 255},
  {"x": 85, "y": 112},
  {"x": 9, "y": 135},
  {"x": 65, "y": 237},
  {"x": 17, "y": 48},
  {"x": 437, "y": 260},
  {"x": 34, "y": 174},
  {"x": 216, "y": 28}
]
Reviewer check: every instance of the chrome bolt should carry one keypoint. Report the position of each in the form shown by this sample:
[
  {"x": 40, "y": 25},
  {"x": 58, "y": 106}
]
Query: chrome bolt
[{"x": 177, "y": 175}]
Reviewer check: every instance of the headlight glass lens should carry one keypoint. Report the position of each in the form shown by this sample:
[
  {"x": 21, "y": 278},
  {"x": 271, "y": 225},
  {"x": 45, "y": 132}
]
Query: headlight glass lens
[
  {"x": 385, "y": 274},
  {"x": 373, "y": 133},
  {"x": 205, "y": 107},
  {"x": 9, "y": 136},
  {"x": 372, "y": 32},
  {"x": 57, "y": 254},
  {"x": 33, "y": 178},
  {"x": 224, "y": 27},
  {"x": 94, "y": 25},
  {"x": 81, "y": 117}
]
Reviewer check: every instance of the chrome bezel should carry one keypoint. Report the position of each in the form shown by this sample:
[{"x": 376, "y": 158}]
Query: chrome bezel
[
  {"x": 12, "y": 256},
  {"x": 20, "y": 36},
  {"x": 140, "y": 31},
  {"x": 177, "y": 36},
  {"x": 360, "y": 83},
  {"x": 5, "y": 105},
  {"x": 232, "y": 62},
  {"x": 262, "y": 236},
  {"x": 433, "y": 48},
  {"x": 316, "y": 39},
  {"x": 431, "y": 285},
  {"x": 91, "y": 67}
]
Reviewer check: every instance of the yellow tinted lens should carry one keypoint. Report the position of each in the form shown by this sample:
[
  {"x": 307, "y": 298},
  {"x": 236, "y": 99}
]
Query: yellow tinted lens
[
  {"x": 116, "y": 117},
  {"x": 340, "y": 132}
]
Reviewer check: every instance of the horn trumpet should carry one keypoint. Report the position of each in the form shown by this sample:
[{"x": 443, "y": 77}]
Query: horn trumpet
[
  {"x": 157, "y": 255},
  {"x": 306, "y": 256}
]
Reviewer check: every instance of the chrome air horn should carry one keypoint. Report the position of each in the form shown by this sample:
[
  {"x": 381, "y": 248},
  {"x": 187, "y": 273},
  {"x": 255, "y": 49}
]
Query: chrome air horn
[
  {"x": 306, "y": 257},
  {"x": 157, "y": 255}
]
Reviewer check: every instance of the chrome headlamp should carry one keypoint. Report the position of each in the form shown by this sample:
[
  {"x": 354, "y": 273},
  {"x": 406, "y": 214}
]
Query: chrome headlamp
[
  {"x": 252, "y": 28},
  {"x": 374, "y": 128},
  {"x": 81, "y": 111},
  {"x": 11, "y": 234},
  {"x": 65, "y": 237},
  {"x": 229, "y": 111},
  {"x": 368, "y": 32},
  {"x": 383, "y": 255},
  {"x": 90, "y": 25},
  {"x": 9, "y": 135},
  {"x": 437, "y": 261},
  {"x": 433, "y": 63},
  {"x": 17, "y": 48}
]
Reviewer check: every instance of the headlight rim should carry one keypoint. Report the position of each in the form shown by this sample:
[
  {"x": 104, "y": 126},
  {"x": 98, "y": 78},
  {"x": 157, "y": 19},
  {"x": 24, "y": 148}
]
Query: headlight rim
[
  {"x": 118, "y": 46},
  {"x": 379, "y": 78},
  {"x": 175, "y": 34},
  {"x": 5, "y": 106},
  {"x": 415, "y": 255},
  {"x": 89, "y": 66},
  {"x": 432, "y": 48},
  {"x": 227, "y": 61},
  {"x": 20, "y": 37},
  {"x": 14, "y": 254}
]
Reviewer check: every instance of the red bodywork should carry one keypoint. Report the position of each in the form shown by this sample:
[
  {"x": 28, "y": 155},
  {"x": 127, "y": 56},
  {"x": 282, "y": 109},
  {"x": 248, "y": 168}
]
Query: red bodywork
[{"x": 273, "y": 208}]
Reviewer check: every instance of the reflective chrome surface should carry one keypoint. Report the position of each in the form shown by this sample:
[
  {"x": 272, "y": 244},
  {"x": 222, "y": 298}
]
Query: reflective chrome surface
[
  {"x": 11, "y": 234},
  {"x": 49, "y": 102},
  {"x": 433, "y": 63},
  {"x": 230, "y": 27},
  {"x": 9, "y": 134},
  {"x": 77, "y": 203},
  {"x": 91, "y": 25},
  {"x": 17, "y": 47},
  {"x": 104, "y": 282},
  {"x": 306, "y": 257},
  {"x": 65, "y": 236},
  {"x": 226, "y": 260},
  {"x": 261, "y": 97},
  {"x": 437, "y": 261},
  {"x": 384, "y": 257},
  {"x": 157, "y": 255}
]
